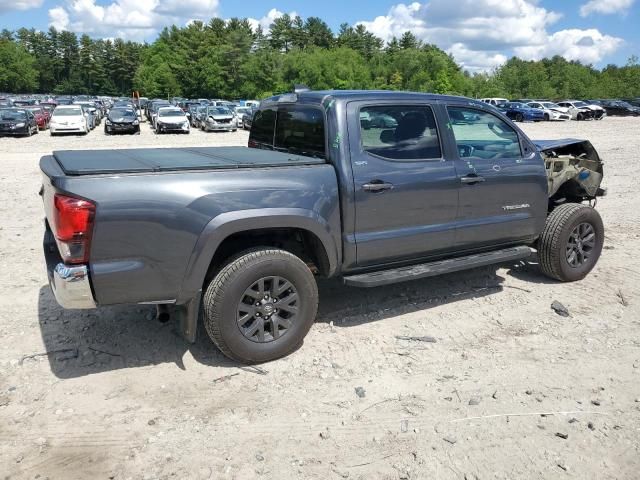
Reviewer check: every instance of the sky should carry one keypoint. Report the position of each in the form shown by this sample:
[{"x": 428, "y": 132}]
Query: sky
[{"x": 480, "y": 34}]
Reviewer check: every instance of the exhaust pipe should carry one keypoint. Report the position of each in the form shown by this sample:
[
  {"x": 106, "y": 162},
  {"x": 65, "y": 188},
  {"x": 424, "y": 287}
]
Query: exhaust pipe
[{"x": 162, "y": 313}]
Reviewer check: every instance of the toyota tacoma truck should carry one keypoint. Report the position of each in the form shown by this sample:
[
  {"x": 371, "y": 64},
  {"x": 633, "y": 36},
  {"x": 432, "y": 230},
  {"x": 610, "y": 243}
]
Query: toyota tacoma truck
[{"x": 368, "y": 187}]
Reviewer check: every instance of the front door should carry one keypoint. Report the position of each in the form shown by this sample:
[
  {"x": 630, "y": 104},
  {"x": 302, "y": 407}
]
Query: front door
[
  {"x": 503, "y": 191},
  {"x": 406, "y": 192}
]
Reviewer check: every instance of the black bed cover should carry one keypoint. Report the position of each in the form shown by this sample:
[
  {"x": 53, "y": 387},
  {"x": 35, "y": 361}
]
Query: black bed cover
[{"x": 93, "y": 162}]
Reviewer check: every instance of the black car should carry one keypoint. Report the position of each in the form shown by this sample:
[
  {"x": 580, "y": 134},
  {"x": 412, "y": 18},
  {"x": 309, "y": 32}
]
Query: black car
[
  {"x": 122, "y": 120},
  {"x": 17, "y": 121},
  {"x": 620, "y": 108}
]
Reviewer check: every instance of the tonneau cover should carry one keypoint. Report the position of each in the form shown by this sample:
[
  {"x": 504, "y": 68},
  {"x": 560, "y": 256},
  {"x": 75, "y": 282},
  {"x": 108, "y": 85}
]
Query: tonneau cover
[{"x": 93, "y": 162}]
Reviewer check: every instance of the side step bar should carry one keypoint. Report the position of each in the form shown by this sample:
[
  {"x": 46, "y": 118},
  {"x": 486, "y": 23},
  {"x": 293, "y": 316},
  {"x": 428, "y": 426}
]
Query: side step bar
[{"x": 413, "y": 272}]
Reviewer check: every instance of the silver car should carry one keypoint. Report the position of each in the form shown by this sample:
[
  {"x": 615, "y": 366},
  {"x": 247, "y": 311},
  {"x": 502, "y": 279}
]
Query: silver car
[{"x": 219, "y": 119}]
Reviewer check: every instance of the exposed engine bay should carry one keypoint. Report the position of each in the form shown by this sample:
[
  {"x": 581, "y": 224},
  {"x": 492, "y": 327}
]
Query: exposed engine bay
[{"x": 574, "y": 169}]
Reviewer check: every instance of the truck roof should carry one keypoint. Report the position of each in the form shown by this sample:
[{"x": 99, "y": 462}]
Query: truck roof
[{"x": 320, "y": 96}]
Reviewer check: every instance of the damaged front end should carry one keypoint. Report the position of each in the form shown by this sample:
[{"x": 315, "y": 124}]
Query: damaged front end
[{"x": 574, "y": 170}]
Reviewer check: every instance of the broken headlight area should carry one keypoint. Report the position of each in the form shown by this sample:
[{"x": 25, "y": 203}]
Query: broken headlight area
[{"x": 574, "y": 169}]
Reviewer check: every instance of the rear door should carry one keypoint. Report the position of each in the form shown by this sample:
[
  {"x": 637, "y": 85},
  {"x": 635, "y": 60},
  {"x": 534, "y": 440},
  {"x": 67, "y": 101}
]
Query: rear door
[
  {"x": 502, "y": 180},
  {"x": 406, "y": 191}
]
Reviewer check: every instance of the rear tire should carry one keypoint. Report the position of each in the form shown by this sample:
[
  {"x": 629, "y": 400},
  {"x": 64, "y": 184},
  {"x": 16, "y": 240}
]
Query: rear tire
[
  {"x": 571, "y": 242},
  {"x": 280, "y": 331}
]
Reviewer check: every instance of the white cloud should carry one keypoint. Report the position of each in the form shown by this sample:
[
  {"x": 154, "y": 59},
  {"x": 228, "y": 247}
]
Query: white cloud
[
  {"x": 8, "y": 5},
  {"x": 58, "y": 18},
  {"x": 588, "y": 46},
  {"x": 266, "y": 21},
  {"x": 130, "y": 19},
  {"x": 481, "y": 34},
  {"x": 606, "y": 7}
]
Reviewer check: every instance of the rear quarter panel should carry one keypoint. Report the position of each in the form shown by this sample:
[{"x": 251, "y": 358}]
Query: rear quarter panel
[{"x": 147, "y": 226}]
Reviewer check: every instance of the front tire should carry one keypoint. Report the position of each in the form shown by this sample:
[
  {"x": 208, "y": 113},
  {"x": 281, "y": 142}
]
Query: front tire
[
  {"x": 261, "y": 305},
  {"x": 571, "y": 242},
  {"x": 519, "y": 117}
]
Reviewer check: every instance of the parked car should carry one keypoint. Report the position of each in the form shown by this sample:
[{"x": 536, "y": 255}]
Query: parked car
[
  {"x": 41, "y": 115},
  {"x": 192, "y": 114},
  {"x": 24, "y": 102},
  {"x": 494, "y": 101},
  {"x": 64, "y": 100},
  {"x": 218, "y": 119},
  {"x": 171, "y": 119},
  {"x": 551, "y": 110},
  {"x": 94, "y": 115},
  {"x": 520, "y": 112},
  {"x": 200, "y": 114},
  {"x": 153, "y": 110},
  {"x": 17, "y": 121},
  {"x": 239, "y": 113},
  {"x": 122, "y": 120},
  {"x": 241, "y": 231},
  {"x": 619, "y": 108},
  {"x": 247, "y": 118},
  {"x": 578, "y": 110},
  {"x": 69, "y": 119}
]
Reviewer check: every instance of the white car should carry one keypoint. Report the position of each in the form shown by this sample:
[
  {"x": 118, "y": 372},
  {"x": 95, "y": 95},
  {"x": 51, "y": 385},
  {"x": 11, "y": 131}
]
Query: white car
[
  {"x": 494, "y": 101},
  {"x": 68, "y": 119},
  {"x": 172, "y": 119},
  {"x": 580, "y": 110},
  {"x": 551, "y": 110}
]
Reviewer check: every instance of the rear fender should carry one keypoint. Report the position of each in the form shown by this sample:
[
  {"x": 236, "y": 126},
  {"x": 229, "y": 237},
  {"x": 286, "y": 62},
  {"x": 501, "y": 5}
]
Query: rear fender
[{"x": 226, "y": 224}]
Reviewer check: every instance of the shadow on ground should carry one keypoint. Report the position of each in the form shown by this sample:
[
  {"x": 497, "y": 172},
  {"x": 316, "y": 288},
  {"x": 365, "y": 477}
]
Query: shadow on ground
[{"x": 85, "y": 342}]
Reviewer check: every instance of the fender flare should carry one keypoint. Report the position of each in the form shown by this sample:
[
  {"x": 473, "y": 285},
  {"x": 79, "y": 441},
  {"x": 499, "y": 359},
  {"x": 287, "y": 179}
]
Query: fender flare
[{"x": 226, "y": 224}]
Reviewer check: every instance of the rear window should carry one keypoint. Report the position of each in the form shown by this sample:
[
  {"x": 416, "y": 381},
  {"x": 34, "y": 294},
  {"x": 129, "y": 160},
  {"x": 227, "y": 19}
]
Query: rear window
[{"x": 294, "y": 129}]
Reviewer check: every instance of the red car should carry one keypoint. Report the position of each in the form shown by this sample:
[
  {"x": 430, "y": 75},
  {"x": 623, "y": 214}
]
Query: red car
[{"x": 42, "y": 116}]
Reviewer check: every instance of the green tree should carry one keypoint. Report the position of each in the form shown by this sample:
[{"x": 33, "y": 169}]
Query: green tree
[{"x": 17, "y": 68}]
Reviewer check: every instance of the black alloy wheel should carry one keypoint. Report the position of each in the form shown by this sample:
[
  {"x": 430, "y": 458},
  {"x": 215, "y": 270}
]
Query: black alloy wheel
[
  {"x": 580, "y": 245},
  {"x": 268, "y": 309}
]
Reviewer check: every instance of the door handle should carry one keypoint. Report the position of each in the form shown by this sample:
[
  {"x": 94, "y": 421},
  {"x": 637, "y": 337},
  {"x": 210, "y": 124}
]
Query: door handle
[
  {"x": 471, "y": 179},
  {"x": 376, "y": 186}
]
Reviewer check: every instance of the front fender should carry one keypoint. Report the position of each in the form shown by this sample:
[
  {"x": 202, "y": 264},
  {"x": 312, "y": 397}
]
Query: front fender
[{"x": 229, "y": 223}]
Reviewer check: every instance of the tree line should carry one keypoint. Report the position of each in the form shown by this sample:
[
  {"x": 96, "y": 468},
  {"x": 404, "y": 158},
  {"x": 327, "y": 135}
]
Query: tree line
[{"x": 230, "y": 59}]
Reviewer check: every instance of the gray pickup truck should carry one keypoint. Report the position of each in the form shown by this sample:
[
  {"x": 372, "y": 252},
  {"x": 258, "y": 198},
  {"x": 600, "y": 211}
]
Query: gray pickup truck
[{"x": 369, "y": 187}]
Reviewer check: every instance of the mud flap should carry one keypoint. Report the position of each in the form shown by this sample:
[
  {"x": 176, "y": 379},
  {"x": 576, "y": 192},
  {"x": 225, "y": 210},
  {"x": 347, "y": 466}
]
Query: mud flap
[{"x": 188, "y": 317}]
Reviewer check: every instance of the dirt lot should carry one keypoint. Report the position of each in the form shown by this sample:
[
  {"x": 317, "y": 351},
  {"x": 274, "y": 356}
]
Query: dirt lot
[{"x": 509, "y": 389}]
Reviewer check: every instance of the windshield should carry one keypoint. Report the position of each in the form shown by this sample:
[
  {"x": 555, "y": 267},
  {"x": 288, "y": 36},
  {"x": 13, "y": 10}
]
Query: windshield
[
  {"x": 10, "y": 115},
  {"x": 171, "y": 113},
  {"x": 67, "y": 112},
  {"x": 219, "y": 111},
  {"x": 35, "y": 109},
  {"x": 122, "y": 112},
  {"x": 580, "y": 104},
  {"x": 550, "y": 105},
  {"x": 242, "y": 110}
]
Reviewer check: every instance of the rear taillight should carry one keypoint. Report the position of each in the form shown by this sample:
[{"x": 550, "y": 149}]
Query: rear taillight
[{"x": 72, "y": 226}]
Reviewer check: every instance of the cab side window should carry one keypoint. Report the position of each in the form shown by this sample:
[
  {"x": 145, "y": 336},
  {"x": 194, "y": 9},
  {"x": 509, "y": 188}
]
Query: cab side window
[
  {"x": 481, "y": 134},
  {"x": 400, "y": 132},
  {"x": 262, "y": 129}
]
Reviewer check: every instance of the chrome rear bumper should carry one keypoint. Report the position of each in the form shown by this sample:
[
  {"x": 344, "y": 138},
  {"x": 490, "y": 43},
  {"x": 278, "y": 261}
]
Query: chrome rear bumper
[{"x": 71, "y": 287}]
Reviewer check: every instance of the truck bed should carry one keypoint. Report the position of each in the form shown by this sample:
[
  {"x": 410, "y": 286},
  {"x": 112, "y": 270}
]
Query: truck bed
[{"x": 145, "y": 160}]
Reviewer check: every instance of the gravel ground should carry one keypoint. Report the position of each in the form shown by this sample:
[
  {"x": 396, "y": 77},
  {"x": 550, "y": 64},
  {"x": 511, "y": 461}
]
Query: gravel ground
[{"x": 507, "y": 389}]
